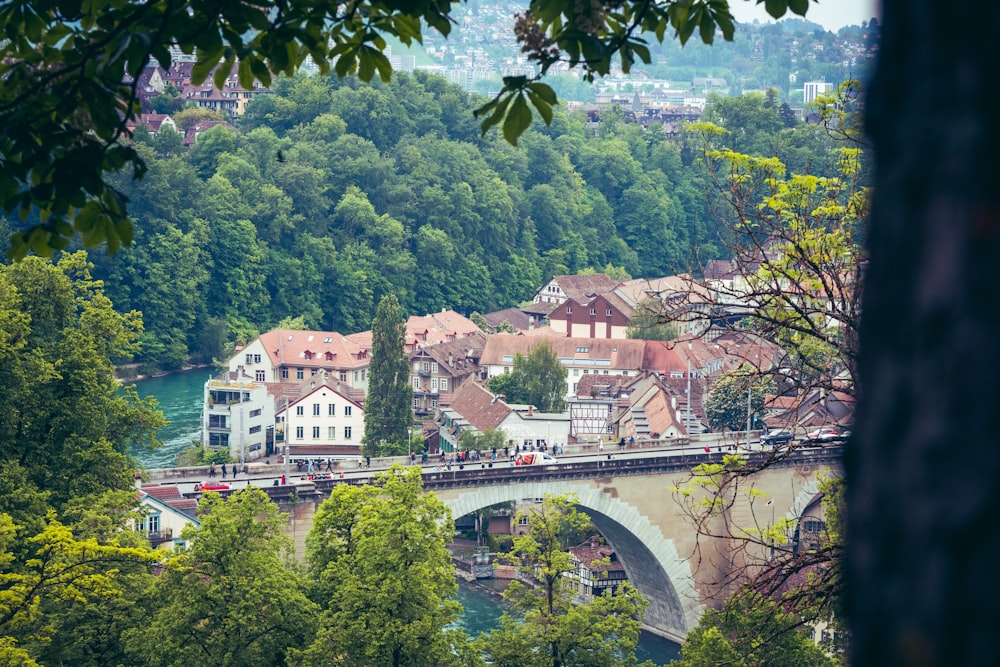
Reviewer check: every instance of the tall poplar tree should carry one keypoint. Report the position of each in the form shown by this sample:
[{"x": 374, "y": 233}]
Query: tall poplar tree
[{"x": 388, "y": 407}]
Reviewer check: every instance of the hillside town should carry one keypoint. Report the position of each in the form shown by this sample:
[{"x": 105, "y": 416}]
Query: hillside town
[{"x": 301, "y": 393}]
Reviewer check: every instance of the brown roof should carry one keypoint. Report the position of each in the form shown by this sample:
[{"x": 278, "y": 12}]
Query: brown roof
[
  {"x": 662, "y": 357},
  {"x": 289, "y": 347},
  {"x": 625, "y": 354},
  {"x": 582, "y": 288},
  {"x": 588, "y": 552},
  {"x": 479, "y": 406},
  {"x": 458, "y": 357},
  {"x": 422, "y": 330}
]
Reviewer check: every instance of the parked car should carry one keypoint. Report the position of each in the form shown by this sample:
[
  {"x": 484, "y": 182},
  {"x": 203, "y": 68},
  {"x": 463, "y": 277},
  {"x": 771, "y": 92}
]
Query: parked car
[
  {"x": 824, "y": 434},
  {"x": 778, "y": 436},
  {"x": 534, "y": 458},
  {"x": 211, "y": 486}
]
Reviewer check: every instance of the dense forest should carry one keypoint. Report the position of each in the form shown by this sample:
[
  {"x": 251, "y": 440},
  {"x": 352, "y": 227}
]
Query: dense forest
[{"x": 331, "y": 193}]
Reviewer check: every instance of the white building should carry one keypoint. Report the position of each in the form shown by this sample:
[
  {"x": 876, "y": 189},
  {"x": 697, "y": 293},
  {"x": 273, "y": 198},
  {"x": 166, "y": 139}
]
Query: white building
[
  {"x": 322, "y": 422},
  {"x": 813, "y": 89},
  {"x": 163, "y": 514},
  {"x": 238, "y": 415}
]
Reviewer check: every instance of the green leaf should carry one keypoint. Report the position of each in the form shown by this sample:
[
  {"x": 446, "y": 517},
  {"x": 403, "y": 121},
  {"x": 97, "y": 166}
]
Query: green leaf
[
  {"x": 798, "y": 6},
  {"x": 517, "y": 121},
  {"x": 776, "y": 8}
]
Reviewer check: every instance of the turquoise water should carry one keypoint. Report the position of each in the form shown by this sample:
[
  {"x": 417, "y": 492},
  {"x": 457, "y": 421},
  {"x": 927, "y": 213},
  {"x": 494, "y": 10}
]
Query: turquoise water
[
  {"x": 180, "y": 396},
  {"x": 483, "y": 609}
]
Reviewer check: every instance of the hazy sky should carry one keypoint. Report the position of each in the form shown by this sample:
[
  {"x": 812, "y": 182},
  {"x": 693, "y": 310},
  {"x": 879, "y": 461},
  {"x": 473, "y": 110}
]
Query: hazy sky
[{"x": 831, "y": 14}]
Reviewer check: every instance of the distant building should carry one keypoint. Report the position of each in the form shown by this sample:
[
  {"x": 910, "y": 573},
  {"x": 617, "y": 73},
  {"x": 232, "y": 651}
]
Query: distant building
[
  {"x": 813, "y": 89},
  {"x": 322, "y": 422},
  {"x": 163, "y": 513},
  {"x": 597, "y": 569},
  {"x": 238, "y": 415}
]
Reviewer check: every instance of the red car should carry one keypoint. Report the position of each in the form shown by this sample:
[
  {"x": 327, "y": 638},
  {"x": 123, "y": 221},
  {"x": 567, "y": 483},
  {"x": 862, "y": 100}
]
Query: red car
[
  {"x": 211, "y": 486},
  {"x": 824, "y": 435}
]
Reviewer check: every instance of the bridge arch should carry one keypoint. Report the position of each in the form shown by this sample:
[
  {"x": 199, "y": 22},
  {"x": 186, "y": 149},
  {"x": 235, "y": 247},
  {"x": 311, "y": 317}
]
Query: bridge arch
[{"x": 651, "y": 561}]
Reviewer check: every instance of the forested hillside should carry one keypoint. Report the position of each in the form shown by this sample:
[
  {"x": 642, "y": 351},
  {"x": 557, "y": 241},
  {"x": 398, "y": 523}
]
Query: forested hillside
[{"x": 332, "y": 193}]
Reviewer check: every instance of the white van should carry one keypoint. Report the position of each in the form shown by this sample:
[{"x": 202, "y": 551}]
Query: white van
[{"x": 534, "y": 458}]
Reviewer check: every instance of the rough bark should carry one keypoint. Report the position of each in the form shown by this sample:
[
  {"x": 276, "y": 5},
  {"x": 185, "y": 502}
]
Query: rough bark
[{"x": 923, "y": 500}]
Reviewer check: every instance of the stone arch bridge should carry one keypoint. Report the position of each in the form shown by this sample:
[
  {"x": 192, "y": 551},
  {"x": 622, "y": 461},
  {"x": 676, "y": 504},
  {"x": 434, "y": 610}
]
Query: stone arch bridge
[{"x": 630, "y": 502}]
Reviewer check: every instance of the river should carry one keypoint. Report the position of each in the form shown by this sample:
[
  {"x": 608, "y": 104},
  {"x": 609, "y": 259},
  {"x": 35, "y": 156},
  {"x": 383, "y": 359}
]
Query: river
[
  {"x": 180, "y": 397},
  {"x": 482, "y": 610}
]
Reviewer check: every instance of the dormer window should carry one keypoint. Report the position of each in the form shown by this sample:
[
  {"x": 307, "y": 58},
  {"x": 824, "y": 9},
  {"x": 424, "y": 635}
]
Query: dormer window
[
  {"x": 308, "y": 354},
  {"x": 330, "y": 356},
  {"x": 569, "y": 310}
]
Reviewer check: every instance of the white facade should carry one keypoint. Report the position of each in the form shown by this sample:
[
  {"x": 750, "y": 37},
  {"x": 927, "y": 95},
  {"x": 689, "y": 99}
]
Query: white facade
[
  {"x": 238, "y": 415},
  {"x": 813, "y": 89},
  {"x": 323, "y": 417},
  {"x": 161, "y": 523},
  {"x": 527, "y": 428}
]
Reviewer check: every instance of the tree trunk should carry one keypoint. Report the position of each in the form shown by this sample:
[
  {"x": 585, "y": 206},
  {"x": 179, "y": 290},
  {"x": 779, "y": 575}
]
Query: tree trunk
[{"x": 923, "y": 499}]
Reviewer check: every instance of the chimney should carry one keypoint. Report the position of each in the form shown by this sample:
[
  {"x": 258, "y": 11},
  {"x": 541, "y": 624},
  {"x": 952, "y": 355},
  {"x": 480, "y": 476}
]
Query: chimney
[
  {"x": 531, "y": 322},
  {"x": 595, "y": 541},
  {"x": 531, "y": 410}
]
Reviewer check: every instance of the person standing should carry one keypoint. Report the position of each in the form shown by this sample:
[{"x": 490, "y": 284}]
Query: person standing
[
  {"x": 368, "y": 462},
  {"x": 223, "y": 471},
  {"x": 235, "y": 470},
  {"x": 211, "y": 470},
  {"x": 282, "y": 480}
]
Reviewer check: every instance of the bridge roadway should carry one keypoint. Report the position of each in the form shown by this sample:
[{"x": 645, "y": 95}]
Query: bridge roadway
[{"x": 629, "y": 501}]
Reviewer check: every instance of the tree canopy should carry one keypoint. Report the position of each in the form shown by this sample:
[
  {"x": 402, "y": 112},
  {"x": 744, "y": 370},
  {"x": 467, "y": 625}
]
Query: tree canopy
[
  {"x": 69, "y": 74},
  {"x": 385, "y": 579},
  {"x": 389, "y": 405},
  {"x": 536, "y": 379}
]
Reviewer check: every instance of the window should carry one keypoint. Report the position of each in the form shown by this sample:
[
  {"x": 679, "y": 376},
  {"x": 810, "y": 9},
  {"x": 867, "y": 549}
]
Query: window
[
  {"x": 416, "y": 402},
  {"x": 331, "y": 409},
  {"x": 586, "y": 371},
  {"x": 569, "y": 310},
  {"x": 256, "y": 358},
  {"x": 300, "y": 432},
  {"x": 608, "y": 313},
  {"x": 434, "y": 384},
  {"x": 347, "y": 433},
  {"x": 315, "y": 409},
  {"x": 434, "y": 401},
  {"x": 444, "y": 384},
  {"x": 416, "y": 383},
  {"x": 355, "y": 377},
  {"x": 434, "y": 367},
  {"x": 315, "y": 432},
  {"x": 260, "y": 376},
  {"x": 576, "y": 372},
  {"x": 522, "y": 521},
  {"x": 343, "y": 376},
  {"x": 426, "y": 366},
  {"x": 347, "y": 411},
  {"x": 217, "y": 421},
  {"x": 299, "y": 374},
  {"x": 362, "y": 376},
  {"x": 331, "y": 432},
  {"x": 249, "y": 358},
  {"x": 593, "y": 311},
  {"x": 583, "y": 349},
  {"x": 255, "y": 413},
  {"x": 300, "y": 410},
  {"x": 255, "y": 429},
  {"x": 218, "y": 439},
  {"x": 154, "y": 523}
]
